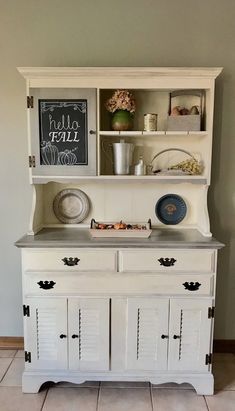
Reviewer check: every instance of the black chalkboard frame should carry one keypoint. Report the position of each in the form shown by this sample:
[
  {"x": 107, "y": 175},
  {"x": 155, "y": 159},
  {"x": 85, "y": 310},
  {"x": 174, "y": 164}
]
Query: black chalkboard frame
[{"x": 49, "y": 153}]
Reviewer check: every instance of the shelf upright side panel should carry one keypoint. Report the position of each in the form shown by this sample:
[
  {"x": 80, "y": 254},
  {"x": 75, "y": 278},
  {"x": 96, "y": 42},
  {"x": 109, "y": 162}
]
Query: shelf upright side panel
[
  {"x": 203, "y": 214},
  {"x": 36, "y": 221},
  {"x": 98, "y": 154},
  {"x": 29, "y": 130},
  {"x": 210, "y": 96}
]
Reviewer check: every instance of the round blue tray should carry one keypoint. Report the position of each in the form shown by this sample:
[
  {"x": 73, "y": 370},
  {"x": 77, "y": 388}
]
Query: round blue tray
[{"x": 170, "y": 209}]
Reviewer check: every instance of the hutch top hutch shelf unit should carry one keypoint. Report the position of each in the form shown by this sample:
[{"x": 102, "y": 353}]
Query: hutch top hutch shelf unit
[{"x": 151, "y": 88}]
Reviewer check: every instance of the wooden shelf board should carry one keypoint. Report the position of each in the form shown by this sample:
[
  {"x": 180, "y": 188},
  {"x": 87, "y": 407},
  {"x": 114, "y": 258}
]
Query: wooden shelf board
[
  {"x": 126, "y": 178},
  {"x": 151, "y": 133}
]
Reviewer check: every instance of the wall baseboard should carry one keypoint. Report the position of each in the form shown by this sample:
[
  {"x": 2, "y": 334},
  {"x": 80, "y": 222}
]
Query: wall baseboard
[
  {"x": 227, "y": 346},
  {"x": 17, "y": 343},
  {"x": 11, "y": 343}
]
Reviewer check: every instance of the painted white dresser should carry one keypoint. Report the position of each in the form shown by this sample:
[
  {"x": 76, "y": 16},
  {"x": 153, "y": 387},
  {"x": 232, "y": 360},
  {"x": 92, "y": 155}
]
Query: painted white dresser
[{"x": 119, "y": 309}]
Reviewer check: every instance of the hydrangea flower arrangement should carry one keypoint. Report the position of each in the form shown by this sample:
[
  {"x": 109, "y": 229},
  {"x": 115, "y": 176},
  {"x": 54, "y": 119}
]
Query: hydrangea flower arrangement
[{"x": 121, "y": 100}]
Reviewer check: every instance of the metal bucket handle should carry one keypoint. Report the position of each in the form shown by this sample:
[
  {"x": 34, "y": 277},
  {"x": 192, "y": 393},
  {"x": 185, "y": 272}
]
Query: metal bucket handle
[
  {"x": 150, "y": 166},
  {"x": 105, "y": 152}
]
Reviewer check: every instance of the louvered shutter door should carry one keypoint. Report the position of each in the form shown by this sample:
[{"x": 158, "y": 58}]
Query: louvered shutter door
[
  {"x": 189, "y": 320},
  {"x": 89, "y": 322},
  {"x": 147, "y": 320},
  {"x": 47, "y": 321}
]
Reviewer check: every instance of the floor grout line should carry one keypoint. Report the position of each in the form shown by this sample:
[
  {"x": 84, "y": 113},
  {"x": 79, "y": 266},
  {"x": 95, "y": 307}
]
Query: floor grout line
[
  {"x": 151, "y": 396},
  {"x": 12, "y": 359},
  {"x": 207, "y": 406},
  {"x": 44, "y": 399},
  {"x": 98, "y": 397}
]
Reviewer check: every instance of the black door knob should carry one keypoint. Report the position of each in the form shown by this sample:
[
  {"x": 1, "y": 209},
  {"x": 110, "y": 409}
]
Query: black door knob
[
  {"x": 164, "y": 336},
  {"x": 63, "y": 336},
  {"x": 176, "y": 336},
  {"x": 74, "y": 336}
]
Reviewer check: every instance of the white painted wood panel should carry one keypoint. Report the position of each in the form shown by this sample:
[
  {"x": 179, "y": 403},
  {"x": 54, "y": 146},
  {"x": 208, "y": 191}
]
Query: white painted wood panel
[
  {"x": 134, "y": 201},
  {"x": 118, "y": 329},
  {"x": 189, "y": 320},
  {"x": 47, "y": 321},
  {"x": 88, "y": 319},
  {"x": 118, "y": 284},
  {"x": 89, "y": 260},
  {"x": 147, "y": 320},
  {"x": 185, "y": 260}
]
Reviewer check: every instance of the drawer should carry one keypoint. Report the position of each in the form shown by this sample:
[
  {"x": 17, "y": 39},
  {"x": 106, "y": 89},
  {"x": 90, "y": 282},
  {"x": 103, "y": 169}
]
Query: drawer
[
  {"x": 69, "y": 260},
  {"x": 109, "y": 284},
  {"x": 167, "y": 260}
]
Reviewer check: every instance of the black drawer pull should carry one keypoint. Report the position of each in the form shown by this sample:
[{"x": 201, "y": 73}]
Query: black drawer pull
[
  {"x": 46, "y": 285},
  {"x": 71, "y": 261},
  {"x": 164, "y": 336},
  {"x": 63, "y": 336},
  {"x": 167, "y": 262},
  {"x": 191, "y": 286},
  {"x": 176, "y": 336},
  {"x": 74, "y": 336}
]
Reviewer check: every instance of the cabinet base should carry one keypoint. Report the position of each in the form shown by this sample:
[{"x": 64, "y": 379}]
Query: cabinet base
[{"x": 32, "y": 381}]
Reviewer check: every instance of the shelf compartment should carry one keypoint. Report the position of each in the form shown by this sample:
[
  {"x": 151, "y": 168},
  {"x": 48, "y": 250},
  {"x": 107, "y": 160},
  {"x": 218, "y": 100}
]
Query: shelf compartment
[{"x": 150, "y": 100}]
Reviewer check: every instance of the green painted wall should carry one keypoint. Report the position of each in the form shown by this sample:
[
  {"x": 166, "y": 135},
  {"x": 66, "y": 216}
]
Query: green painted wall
[{"x": 113, "y": 33}]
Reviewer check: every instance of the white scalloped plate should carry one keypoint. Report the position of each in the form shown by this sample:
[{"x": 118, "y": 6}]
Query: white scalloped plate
[{"x": 71, "y": 206}]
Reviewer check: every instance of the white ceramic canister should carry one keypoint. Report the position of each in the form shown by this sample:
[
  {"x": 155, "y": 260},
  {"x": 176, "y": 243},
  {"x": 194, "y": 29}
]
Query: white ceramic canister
[{"x": 150, "y": 122}]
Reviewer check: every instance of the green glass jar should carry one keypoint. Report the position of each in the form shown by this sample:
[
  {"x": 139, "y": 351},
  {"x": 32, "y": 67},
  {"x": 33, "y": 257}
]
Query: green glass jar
[{"x": 122, "y": 120}]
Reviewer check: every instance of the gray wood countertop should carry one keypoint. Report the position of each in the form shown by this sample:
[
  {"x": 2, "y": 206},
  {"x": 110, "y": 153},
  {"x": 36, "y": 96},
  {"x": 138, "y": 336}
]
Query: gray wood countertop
[{"x": 76, "y": 237}]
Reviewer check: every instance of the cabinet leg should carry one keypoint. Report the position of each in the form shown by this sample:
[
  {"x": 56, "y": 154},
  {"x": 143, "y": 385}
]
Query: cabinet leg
[
  {"x": 32, "y": 383},
  {"x": 203, "y": 384}
]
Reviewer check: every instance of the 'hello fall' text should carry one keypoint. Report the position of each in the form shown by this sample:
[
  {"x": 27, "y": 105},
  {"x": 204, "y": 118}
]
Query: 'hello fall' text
[{"x": 64, "y": 130}]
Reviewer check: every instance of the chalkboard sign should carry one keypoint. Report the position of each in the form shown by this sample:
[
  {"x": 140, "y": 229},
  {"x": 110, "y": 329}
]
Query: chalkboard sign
[{"x": 63, "y": 132}]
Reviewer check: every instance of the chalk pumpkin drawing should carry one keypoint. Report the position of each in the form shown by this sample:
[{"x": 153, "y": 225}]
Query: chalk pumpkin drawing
[
  {"x": 67, "y": 158},
  {"x": 49, "y": 153},
  {"x": 63, "y": 131}
]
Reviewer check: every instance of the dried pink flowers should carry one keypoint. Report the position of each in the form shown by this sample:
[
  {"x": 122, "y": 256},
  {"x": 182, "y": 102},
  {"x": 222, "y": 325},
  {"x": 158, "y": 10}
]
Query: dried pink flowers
[{"x": 121, "y": 100}]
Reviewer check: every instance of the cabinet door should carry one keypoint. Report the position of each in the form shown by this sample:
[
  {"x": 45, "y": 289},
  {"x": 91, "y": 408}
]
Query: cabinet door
[
  {"x": 189, "y": 334},
  {"x": 147, "y": 323},
  {"x": 63, "y": 131},
  {"x": 88, "y": 333},
  {"x": 46, "y": 333}
]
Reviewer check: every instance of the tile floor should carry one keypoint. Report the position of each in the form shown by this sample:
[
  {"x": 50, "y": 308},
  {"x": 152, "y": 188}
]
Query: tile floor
[{"x": 110, "y": 396}]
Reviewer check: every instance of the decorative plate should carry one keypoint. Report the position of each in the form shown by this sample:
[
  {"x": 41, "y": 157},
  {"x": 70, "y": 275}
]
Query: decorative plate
[
  {"x": 171, "y": 209},
  {"x": 71, "y": 206}
]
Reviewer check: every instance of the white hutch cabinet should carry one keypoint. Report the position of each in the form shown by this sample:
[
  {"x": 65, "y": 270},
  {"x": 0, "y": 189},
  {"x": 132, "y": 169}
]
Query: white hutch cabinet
[{"x": 118, "y": 309}]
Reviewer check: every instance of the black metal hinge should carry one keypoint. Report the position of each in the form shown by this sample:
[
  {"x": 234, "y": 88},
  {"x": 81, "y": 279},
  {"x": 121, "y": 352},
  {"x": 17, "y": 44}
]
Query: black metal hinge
[
  {"x": 27, "y": 356},
  {"x": 32, "y": 162},
  {"x": 208, "y": 359},
  {"x": 29, "y": 101},
  {"x": 211, "y": 312},
  {"x": 26, "y": 312}
]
